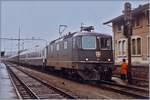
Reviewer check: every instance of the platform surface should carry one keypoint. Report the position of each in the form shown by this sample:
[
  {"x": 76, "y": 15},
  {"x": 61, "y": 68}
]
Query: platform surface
[
  {"x": 7, "y": 91},
  {"x": 119, "y": 81}
]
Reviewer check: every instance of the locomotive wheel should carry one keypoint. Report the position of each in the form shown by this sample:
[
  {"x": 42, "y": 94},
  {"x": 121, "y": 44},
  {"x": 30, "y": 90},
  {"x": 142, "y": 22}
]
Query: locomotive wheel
[{"x": 88, "y": 74}]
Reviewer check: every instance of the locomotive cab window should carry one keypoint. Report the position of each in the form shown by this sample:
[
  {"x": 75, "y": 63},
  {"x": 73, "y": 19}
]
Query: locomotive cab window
[
  {"x": 105, "y": 43},
  {"x": 88, "y": 42}
]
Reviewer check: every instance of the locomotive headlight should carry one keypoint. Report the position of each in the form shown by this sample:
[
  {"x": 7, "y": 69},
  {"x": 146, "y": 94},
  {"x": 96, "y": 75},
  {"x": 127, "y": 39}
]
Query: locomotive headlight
[
  {"x": 86, "y": 59},
  {"x": 98, "y": 54},
  {"x": 108, "y": 59}
]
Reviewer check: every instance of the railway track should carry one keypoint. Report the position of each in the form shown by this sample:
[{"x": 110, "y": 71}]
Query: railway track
[
  {"x": 23, "y": 91},
  {"x": 139, "y": 93},
  {"x": 135, "y": 92},
  {"x": 30, "y": 87}
]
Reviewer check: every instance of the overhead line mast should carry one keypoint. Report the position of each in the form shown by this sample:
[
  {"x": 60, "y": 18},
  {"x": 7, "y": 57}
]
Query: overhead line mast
[{"x": 19, "y": 46}]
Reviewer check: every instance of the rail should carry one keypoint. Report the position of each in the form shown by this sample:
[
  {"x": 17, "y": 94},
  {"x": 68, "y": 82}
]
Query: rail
[
  {"x": 56, "y": 89},
  {"x": 31, "y": 93},
  {"x": 126, "y": 89}
]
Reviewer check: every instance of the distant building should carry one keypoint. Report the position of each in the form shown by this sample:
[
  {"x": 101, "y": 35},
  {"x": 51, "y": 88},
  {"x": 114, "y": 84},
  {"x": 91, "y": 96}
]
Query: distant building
[{"x": 139, "y": 40}]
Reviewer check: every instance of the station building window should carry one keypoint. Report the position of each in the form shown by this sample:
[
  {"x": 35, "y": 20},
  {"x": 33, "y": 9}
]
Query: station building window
[
  {"x": 137, "y": 23},
  {"x": 148, "y": 46},
  {"x": 133, "y": 47},
  {"x": 119, "y": 27},
  {"x": 122, "y": 47},
  {"x": 119, "y": 47},
  {"x": 136, "y": 46}
]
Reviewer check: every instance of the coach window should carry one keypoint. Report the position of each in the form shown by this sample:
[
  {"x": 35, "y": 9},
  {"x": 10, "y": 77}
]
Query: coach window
[
  {"x": 65, "y": 45},
  {"x": 40, "y": 54},
  {"x": 28, "y": 55},
  {"x": 57, "y": 47},
  {"x": 74, "y": 42},
  {"x": 51, "y": 48}
]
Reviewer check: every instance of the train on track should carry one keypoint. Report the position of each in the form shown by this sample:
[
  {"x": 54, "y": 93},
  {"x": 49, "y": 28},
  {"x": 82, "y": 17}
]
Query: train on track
[{"x": 87, "y": 54}]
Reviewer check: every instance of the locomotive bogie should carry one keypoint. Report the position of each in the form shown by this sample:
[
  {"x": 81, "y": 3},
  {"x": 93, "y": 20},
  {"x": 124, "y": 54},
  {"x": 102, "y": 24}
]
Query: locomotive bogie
[{"x": 92, "y": 71}]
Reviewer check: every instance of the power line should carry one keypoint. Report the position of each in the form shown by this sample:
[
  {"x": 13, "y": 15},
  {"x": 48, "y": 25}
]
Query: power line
[{"x": 22, "y": 39}]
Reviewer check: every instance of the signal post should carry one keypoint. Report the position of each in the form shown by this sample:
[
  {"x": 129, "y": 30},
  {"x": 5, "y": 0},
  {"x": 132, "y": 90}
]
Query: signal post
[{"x": 127, "y": 31}]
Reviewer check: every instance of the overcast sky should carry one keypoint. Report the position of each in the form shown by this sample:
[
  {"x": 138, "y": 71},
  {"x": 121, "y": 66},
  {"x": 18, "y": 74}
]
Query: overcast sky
[{"x": 41, "y": 19}]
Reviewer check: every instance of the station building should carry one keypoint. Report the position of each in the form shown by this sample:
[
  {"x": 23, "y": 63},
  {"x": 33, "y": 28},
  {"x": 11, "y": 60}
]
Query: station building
[{"x": 139, "y": 39}]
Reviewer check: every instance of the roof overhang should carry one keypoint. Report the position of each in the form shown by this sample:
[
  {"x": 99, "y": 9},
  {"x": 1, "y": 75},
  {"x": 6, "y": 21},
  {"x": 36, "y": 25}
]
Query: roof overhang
[{"x": 135, "y": 11}]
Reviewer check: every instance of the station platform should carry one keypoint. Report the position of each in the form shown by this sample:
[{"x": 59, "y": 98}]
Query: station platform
[
  {"x": 7, "y": 91},
  {"x": 119, "y": 81}
]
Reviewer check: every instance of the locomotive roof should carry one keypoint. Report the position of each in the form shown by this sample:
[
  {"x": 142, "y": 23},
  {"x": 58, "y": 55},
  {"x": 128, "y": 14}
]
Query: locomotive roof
[
  {"x": 92, "y": 33},
  {"x": 80, "y": 34}
]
